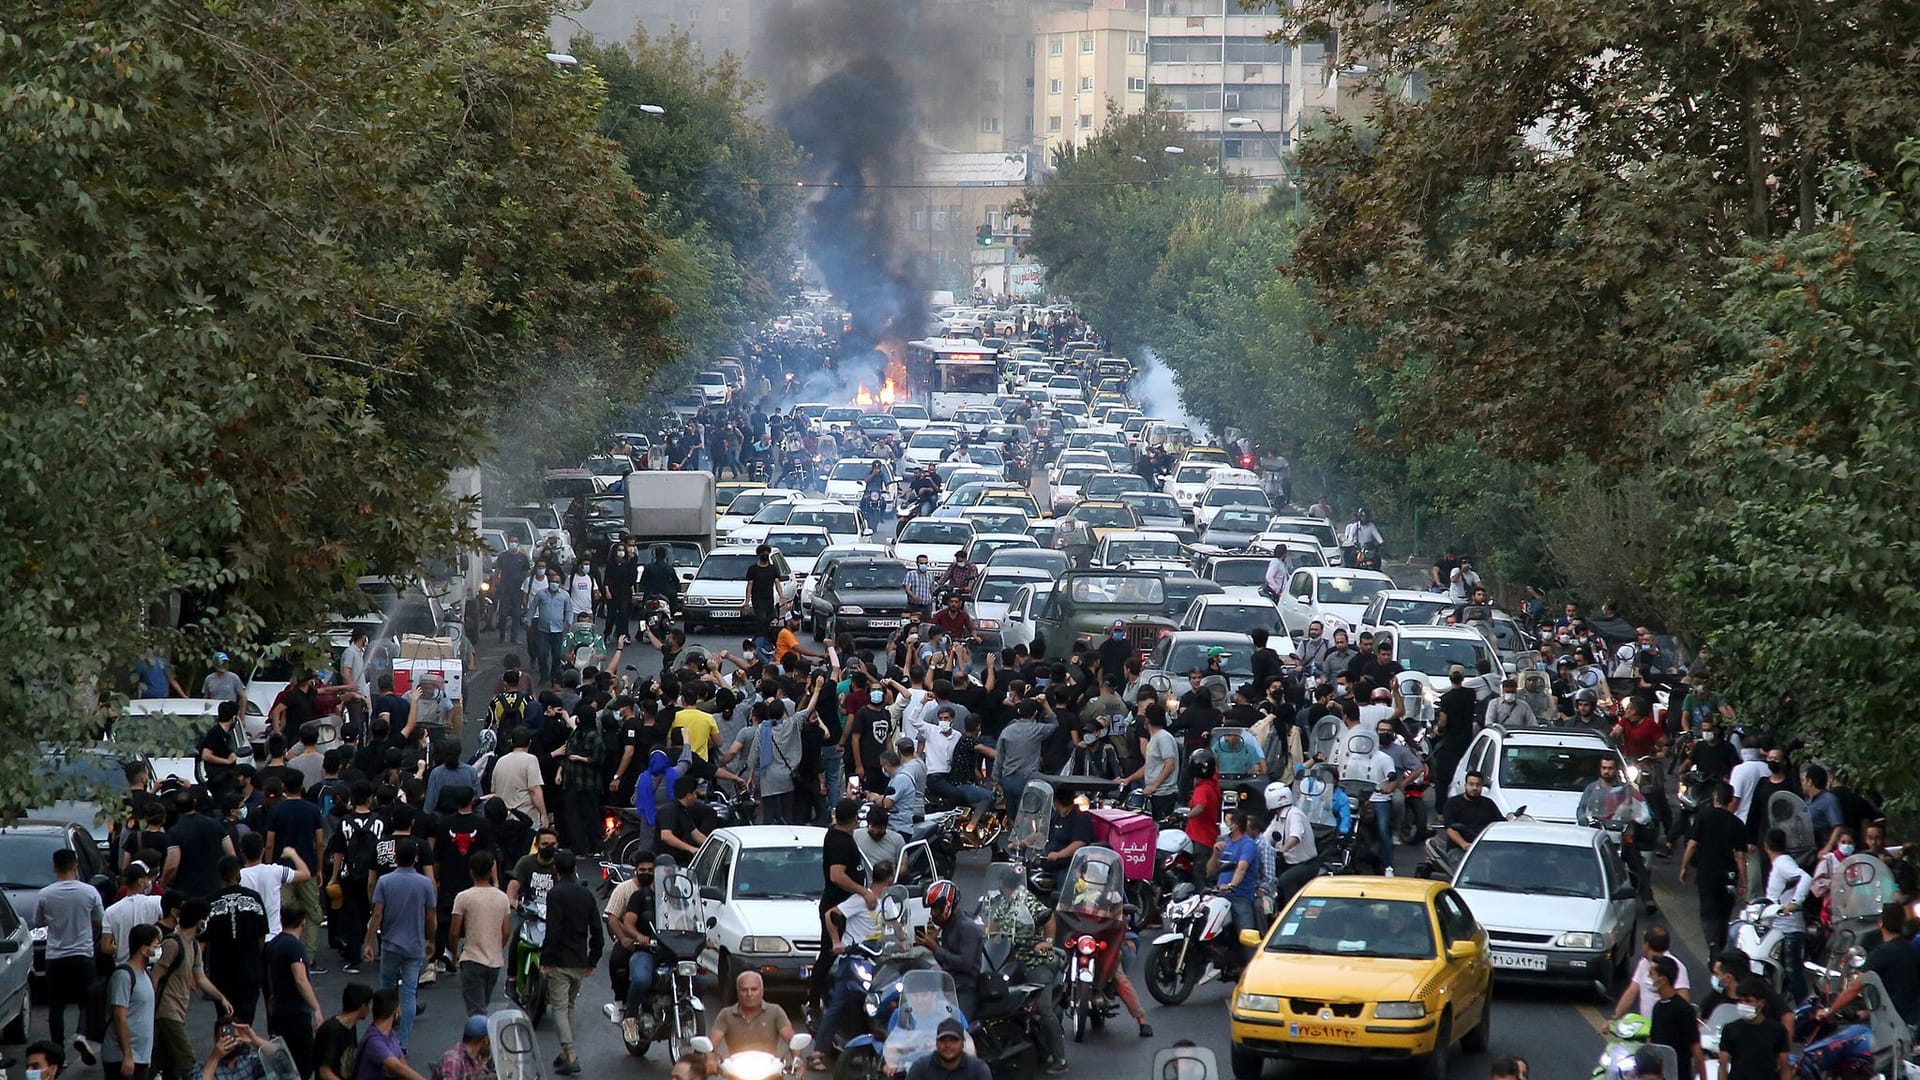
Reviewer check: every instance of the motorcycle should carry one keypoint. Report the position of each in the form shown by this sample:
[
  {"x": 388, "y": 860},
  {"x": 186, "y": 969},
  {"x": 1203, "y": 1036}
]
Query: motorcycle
[
  {"x": 1788, "y": 813},
  {"x": 1751, "y": 933},
  {"x": 1626, "y": 1036},
  {"x": 656, "y": 614},
  {"x": 1870, "y": 1039},
  {"x": 526, "y": 979},
  {"x": 756, "y": 1064},
  {"x": 1007, "y": 1017},
  {"x": 1027, "y": 838},
  {"x": 1090, "y": 917},
  {"x": 673, "y": 1013},
  {"x": 1620, "y": 812},
  {"x": 1857, "y": 890},
  {"x": 1194, "y": 946},
  {"x": 1690, "y": 795},
  {"x": 885, "y": 972},
  {"x": 486, "y": 608}
]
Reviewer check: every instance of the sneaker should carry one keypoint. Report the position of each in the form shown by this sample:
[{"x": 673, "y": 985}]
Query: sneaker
[
  {"x": 571, "y": 1068},
  {"x": 350, "y": 968},
  {"x": 87, "y": 1051},
  {"x": 316, "y": 969},
  {"x": 612, "y": 1009},
  {"x": 429, "y": 976},
  {"x": 1056, "y": 1068},
  {"x": 1146, "y": 1030}
]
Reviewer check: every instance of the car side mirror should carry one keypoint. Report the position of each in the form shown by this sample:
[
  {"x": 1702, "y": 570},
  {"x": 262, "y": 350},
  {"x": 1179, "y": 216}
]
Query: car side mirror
[
  {"x": 712, "y": 892},
  {"x": 9, "y": 945},
  {"x": 1250, "y": 938},
  {"x": 1462, "y": 950},
  {"x": 1625, "y": 892}
]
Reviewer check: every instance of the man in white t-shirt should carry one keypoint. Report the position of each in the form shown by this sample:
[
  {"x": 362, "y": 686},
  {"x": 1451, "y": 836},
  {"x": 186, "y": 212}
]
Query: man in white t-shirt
[
  {"x": 1640, "y": 996},
  {"x": 1379, "y": 708},
  {"x": 1386, "y": 780},
  {"x": 1745, "y": 777},
  {"x": 136, "y": 908},
  {"x": 268, "y": 878},
  {"x": 1289, "y": 841}
]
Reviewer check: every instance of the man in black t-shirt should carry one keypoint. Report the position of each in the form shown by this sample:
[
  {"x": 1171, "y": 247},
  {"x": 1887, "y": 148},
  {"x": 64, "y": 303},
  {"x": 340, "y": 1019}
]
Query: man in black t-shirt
[
  {"x": 763, "y": 590},
  {"x": 840, "y": 877},
  {"x": 681, "y": 832},
  {"x": 1674, "y": 1023},
  {"x": 195, "y": 844},
  {"x": 338, "y": 1040},
  {"x": 235, "y": 929},
  {"x": 872, "y": 735},
  {"x": 1457, "y": 709},
  {"x": 1714, "y": 852},
  {"x": 1755, "y": 1047},
  {"x": 1895, "y": 962}
]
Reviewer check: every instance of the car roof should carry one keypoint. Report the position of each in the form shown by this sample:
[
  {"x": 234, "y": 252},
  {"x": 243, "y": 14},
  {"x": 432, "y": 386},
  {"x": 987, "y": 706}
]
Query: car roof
[
  {"x": 39, "y": 827},
  {"x": 1015, "y": 570},
  {"x": 774, "y": 836},
  {"x": 1359, "y": 886},
  {"x": 977, "y": 537},
  {"x": 1563, "y": 736},
  {"x": 1541, "y": 832},
  {"x": 1436, "y": 631},
  {"x": 1140, "y": 534},
  {"x": 1344, "y": 571},
  {"x": 798, "y": 530},
  {"x": 862, "y": 548},
  {"x": 1416, "y": 594}
]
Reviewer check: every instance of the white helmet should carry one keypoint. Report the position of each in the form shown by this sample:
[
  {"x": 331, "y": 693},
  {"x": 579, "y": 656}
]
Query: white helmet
[
  {"x": 1624, "y": 654},
  {"x": 1279, "y": 797}
]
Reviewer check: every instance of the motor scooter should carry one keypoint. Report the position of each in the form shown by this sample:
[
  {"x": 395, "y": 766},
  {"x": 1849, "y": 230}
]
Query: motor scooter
[{"x": 526, "y": 979}]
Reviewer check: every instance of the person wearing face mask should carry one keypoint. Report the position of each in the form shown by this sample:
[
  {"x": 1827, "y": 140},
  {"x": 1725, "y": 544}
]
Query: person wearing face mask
[
  {"x": 127, "y": 1051},
  {"x": 1714, "y": 852},
  {"x": 1507, "y": 710},
  {"x": 549, "y": 612},
  {"x": 941, "y": 740},
  {"x": 1727, "y": 969},
  {"x": 1711, "y": 753},
  {"x": 763, "y": 589},
  {"x": 44, "y": 1060},
  {"x": 534, "y": 875},
  {"x": 620, "y": 577},
  {"x": 583, "y": 585},
  {"x": 1311, "y": 653},
  {"x": 1756, "y": 1047},
  {"x": 629, "y": 913}
]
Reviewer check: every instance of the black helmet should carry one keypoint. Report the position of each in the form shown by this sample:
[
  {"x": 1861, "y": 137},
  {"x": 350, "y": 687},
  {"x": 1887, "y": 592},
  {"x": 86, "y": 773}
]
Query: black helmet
[{"x": 1200, "y": 764}]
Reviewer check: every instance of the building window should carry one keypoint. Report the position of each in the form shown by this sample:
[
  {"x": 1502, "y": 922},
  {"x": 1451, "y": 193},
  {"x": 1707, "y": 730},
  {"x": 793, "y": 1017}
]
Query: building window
[
  {"x": 1136, "y": 44},
  {"x": 939, "y": 221},
  {"x": 1086, "y": 43},
  {"x": 1183, "y": 51},
  {"x": 1136, "y": 85},
  {"x": 1255, "y": 50},
  {"x": 1086, "y": 121},
  {"x": 1053, "y": 125},
  {"x": 1086, "y": 83},
  {"x": 1029, "y": 125},
  {"x": 919, "y": 221},
  {"x": 990, "y": 125},
  {"x": 1029, "y": 82},
  {"x": 1055, "y": 46},
  {"x": 1230, "y": 148},
  {"x": 1029, "y": 50},
  {"x": 1053, "y": 86}
]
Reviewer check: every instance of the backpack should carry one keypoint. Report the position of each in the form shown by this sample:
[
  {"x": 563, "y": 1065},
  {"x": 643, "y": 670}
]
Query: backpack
[
  {"x": 361, "y": 836},
  {"x": 508, "y": 710}
]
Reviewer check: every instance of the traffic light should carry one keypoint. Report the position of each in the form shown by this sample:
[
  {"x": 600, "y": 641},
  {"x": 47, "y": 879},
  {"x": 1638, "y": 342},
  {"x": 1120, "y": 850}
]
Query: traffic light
[{"x": 985, "y": 235}]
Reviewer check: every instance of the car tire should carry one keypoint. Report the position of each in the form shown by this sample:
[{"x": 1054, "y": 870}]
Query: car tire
[
  {"x": 1246, "y": 1064},
  {"x": 1434, "y": 1065},
  {"x": 1481, "y": 1037}
]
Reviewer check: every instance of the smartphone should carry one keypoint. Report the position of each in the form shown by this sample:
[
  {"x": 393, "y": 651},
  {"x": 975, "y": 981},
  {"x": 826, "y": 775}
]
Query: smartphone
[{"x": 225, "y": 1031}]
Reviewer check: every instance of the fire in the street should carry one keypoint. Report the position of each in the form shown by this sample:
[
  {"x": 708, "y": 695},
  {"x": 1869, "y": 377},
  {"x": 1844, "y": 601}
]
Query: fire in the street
[{"x": 865, "y": 398}]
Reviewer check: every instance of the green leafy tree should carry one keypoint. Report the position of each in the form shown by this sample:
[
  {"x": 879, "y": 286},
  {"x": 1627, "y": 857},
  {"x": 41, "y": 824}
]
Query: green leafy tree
[
  {"x": 1799, "y": 565},
  {"x": 271, "y": 271}
]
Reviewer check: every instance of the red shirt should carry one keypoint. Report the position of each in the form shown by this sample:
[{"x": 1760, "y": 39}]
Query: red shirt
[
  {"x": 1203, "y": 825},
  {"x": 956, "y": 623},
  {"x": 1639, "y": 740}
]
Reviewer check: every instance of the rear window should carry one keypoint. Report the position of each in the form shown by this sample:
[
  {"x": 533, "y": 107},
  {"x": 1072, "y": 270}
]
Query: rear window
[
  {"x": 748, "y": 503},
  {"x": 1113, "y": 485},
  {"x": 1106, "y": 517},
  {"x": 1000, "y": 590},
  {"x": 871, "y": 575},
  {"x": 838, "y": 521},
  {"x": 1227, "y": 496},
  {"x": 1240, "y": 571},
  {"x": 927, "y": 440},
  {"x": 798, "y": 545},
  {"x": 856, "y": 469},
  {"x": 1103, "y": 589},
  {"x": 725, "y": 567},
  {"x": 931, "y": 531}
]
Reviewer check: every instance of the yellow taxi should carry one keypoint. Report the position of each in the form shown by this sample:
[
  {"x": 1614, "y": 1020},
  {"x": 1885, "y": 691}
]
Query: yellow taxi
[
  {"x": 1103, "y": 517},
  {"x": 1364, "y": 969},
  {"x": 1017, "y": 498}
]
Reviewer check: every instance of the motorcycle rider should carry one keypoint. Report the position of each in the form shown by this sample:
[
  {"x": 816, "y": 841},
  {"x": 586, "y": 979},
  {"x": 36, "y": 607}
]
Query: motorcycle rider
[
  {"x": 1312, "y": 650},
  {"x": 1359, "y": 534},
  {"x": 959, "y": 575},
  {"x": 1641, "y": 738},
  {"x": 1288, "y": 841},
  {"x": 658, "y": 579},
  {"x": 955, "y": 941},
  {"x": 1203, "y": 812},
  {"x": 1508, "y": 710},
  {"x": 1606, "y": 799},
  {"x": 1070, "y": 830},
  {"x": 1235, "y": 863},
  {"x": 1462, "y": 819},
  {"x": 1012, "y": 914}
]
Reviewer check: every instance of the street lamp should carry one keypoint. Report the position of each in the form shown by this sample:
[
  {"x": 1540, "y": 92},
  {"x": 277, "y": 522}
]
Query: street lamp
[
  {"x": 563, "y": 59},
  {"x": 653, "y": 110},
  {"x": 1278, "y": 138}
]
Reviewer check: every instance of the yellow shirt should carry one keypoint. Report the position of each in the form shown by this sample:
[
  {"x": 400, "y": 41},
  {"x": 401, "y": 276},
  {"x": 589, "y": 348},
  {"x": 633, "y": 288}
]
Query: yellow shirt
[
  {"x": 783, "y": 643},
  {"x": 700, "y": 728}
]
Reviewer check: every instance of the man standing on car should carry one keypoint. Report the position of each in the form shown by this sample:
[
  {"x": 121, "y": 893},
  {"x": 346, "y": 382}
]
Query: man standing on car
[{"x": 763, "y": 590}]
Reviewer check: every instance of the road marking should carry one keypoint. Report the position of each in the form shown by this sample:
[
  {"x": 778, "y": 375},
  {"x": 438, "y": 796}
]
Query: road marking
[{"x": 1592, "y": 1015}]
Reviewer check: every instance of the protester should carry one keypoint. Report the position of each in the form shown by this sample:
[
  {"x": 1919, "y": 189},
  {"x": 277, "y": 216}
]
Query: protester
[
  {"x": 402, "y": 923},
  {"x": 292, "y": 1007},
  {"x": 127, "y": 1051},
  {"x": 479, "y": 933},
  {"x": 571, "y": 952},
  {"x": 70, "y": 912},
  {"x": 337, "y": 1041}
]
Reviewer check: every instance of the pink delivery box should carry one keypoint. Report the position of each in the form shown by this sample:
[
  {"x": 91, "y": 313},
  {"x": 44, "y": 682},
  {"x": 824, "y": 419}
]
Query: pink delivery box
[{"x": 1130, "y": 834}]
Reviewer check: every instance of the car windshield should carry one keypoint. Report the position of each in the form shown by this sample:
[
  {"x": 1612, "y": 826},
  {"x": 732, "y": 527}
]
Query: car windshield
[
  {"x": 1193, "y": 474},
  {"x": 26, "y": 859},
  {"x": 725, "y": 567},
  {"x": 871, "y": 575},
  {"x": 854, "y": 469},
  {"x": 1349, "y": 590},
  {"x": 909, "y": 412},
  {"x": 840, "y": 416},
  {"x": 933, "y": 531},
  {"x": 1551, "y": 768},
  {"x": 1105, "y": 517},
  {"x": 1115, "y": 484},
  {"x": 799, "y": 545},
  {"x": 931, "y": 440},
  {"x": 1238, "y": 618},
  {"x": 1149, "y": 505},
  {"x": 1000, "y": 590},
  {"x": 1076, "y": 475},
  {"x": 1413, "y": 609},
  {"x": 838, "y": 521},
  {"x": 1122, "y": 550},
  {"x": 1184, "y": 655},
  {"x": 1535, "y": 869},
  {"x": 986, "y": 455},
  {"x": 1117, "y": 589},
  {"x": 1235, "y": 496},
  {"x": 1315, "y": 528},
  {"x": 1355, "y": 926},
  {"x": 777, "y": 874},
  {"x": 773, "y": 514},
  {"x": 1003, "y": 521},
  {"x": 982, "y": 550},
  {"x": 748, "y": 503},
  {"x": 1240, "y": 571},
  {"x": 1016, "y": 500},
  {"x": 1435, "y": 656}
]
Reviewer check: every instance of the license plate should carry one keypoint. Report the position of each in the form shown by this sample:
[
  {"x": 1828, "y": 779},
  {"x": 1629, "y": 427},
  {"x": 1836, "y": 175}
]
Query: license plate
[
  {"x": 1517, "y": 961},
  {"x": 883, "y": 624},
  {"x": 726, "y": 613},
  {"x": 1323, "y": 1032}
]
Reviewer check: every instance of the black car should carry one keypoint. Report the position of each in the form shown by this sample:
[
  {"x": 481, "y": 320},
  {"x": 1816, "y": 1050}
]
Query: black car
[
  {"x": 865, "y": 597},
  {"x": 26, "y": 867}
]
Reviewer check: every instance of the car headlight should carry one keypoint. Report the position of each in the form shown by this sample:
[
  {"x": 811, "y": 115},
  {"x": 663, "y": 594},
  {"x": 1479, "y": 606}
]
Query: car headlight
[
  {"x": 851, "y": 609},
  {"x": 764, "y": 944},
  {"x": 1257, "y": 1002},
  {"x": 1584, "y": 939},
  {"x": 1400, "y": 1010},
  {"x": 696, "y": 601}
]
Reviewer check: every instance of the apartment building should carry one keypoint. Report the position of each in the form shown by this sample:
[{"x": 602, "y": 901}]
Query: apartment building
[{"x": 1082, "y": 60}]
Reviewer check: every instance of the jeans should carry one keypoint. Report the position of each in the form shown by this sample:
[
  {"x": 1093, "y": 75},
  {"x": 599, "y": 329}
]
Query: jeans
[
  {"x": 1245, "y": 917},
  {"x": 68, "y": 979},
  {"x": 639, "y": 982},
  {"x": 943, "y": 787},
  {"x": 545, "y": 654},
  {"x": 1011, "y": 787},
  {"x": 403, "y": 972},
  {"x": 1716, "y": 907},
  {"x": 563, "y": 987},
  {"x": 476, "y": 986},
  {"x": 1793, "y": 955},
  {"x": 1383, "y": 824},
  {"x": 830, "y": 771},
  {"x": 1052, "y": 1038},
  {"x": 777, "y": 808},
  {"x": 845, "y": 1002}
]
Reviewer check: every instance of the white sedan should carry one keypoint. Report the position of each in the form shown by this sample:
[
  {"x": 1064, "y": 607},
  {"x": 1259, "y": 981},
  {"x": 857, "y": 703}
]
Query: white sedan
[{"x": 935, "y": 538}]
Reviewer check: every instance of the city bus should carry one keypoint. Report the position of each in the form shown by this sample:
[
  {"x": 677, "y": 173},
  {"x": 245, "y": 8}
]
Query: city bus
[{"x": 951, "y": 373}]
